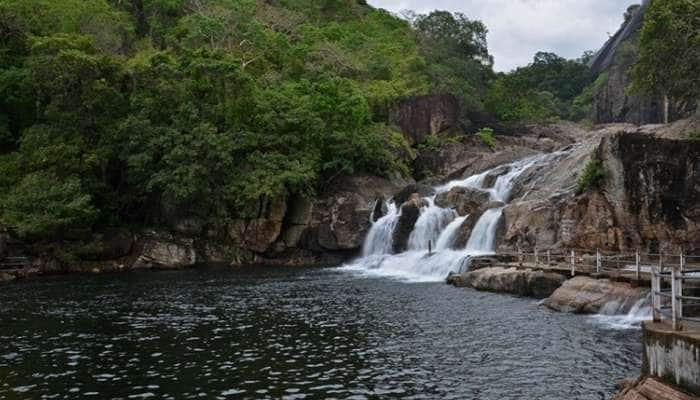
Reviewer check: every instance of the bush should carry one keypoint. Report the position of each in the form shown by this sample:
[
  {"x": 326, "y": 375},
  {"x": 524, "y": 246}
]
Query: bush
[
  {"x": 487, "y": 137},
  {"x": 592, "y": 176},
  {"x": 694, "y": 135},
  {"x": 431, "y": 143}
]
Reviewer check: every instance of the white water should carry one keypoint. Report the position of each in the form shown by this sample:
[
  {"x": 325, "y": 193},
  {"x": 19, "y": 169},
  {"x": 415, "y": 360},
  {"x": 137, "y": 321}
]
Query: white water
[
  {"x": 448, "y": 236},
  {"x": 610, "y": 315},
  {"x": 379, "y": 239},
  {"x": 440, "y": 227},
  {"x": 430, "y": 224}
]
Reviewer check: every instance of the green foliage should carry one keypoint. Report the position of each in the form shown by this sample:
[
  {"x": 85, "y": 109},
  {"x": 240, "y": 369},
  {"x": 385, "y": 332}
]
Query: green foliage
[
  {"x": 695, "y": 135},
  {"x": 44, "y": 205},
  {"x": 136, "y": 112},
  {"x": 669, "y": 50},
  {"x": 431, "y": 143},
  {"x": 582, "y": 105},
  {"x": 487, "y": 137},
  {"x": 543, "y": 90},
  {"x": 592, "y": 176}
]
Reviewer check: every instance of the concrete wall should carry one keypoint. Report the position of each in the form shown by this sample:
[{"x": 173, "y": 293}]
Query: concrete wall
[{"x": 673, "y": 357}]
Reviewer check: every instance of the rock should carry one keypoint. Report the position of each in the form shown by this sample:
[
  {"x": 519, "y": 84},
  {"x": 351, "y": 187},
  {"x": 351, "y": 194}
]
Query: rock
[
  {"x": 587, "y": 295},
  {"x": 495, "y": 204},
  {"x": 410, "y": 211},
  {"x": 527, "y": 282},
  {"x": 466, "y": 201},
  {"x": 164, "y": 251},
  {"x": 189, "y": 226},
  {"x": 405, "y": 193},
  {"x": 491, "y": 178},
  {"x": 422, "y": 116},
  {"x": 380, "y": 209},
  {"x": 256, "y": 235},
  {"x": 465, "y": 231}
]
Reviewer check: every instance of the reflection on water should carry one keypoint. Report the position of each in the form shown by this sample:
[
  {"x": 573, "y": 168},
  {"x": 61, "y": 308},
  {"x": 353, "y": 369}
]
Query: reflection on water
[{"x": 295, "y": 334}]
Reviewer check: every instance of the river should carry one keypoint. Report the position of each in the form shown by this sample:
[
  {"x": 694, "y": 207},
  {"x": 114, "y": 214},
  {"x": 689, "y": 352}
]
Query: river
[{"x": 296, "y": 333}]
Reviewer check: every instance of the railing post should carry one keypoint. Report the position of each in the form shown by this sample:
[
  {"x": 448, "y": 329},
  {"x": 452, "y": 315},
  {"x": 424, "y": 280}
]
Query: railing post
[
  {"x": 549, "y": 258},
  {"x": 655, "y": 298},
  {"x": 636, "y": 265},
  {"x": 573, "y": 263},
  {"x": 598, "y": 262},
  {"x": 674, "y": 298},
  {"x": 537, "y": 258}
]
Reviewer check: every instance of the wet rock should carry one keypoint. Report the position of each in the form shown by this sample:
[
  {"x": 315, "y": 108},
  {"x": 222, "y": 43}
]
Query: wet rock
[
  {"x": 587, "y": 295},
  {"x": 465, "y": 231},
  {"x": 380, "y": 209},
  {"x": 491, "y": 178},
  {"x": 466, "y": 201},
  {"x": 410, "y": 211},
  {"x": 495, "y": 204},
  {"x": 163, "y": 251},
  {"x": 405, "y": 193},
  {"x": 526, "y": 282}
]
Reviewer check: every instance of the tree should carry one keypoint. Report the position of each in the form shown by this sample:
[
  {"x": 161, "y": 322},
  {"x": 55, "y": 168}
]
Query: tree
[{"x": 669, "y": 58}]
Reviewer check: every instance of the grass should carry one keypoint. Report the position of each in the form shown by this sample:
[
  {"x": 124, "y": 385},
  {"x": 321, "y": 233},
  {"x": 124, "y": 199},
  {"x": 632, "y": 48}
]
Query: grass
[{"x": 487, "y": 137}]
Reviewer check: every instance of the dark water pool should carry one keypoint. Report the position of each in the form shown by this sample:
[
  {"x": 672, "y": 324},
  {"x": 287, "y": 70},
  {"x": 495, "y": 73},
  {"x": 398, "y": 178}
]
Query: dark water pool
[{"x": 295, "y": 334}]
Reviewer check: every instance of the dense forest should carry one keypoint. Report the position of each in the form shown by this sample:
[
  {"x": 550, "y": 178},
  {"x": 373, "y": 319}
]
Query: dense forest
[{"x": 119, "y": 113}]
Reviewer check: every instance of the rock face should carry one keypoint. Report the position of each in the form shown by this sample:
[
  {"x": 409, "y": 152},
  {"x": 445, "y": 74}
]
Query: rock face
[
  {"x": 526, "y": 282},
  {"x": 464, "y": 200},
  {"x": 163, "y": 251},
  {"x": 420, "y": 117},
  {"x": 612, "y": 102},
  {"x": 587, "y": 295},
  {"x": 648, "y": 200}
]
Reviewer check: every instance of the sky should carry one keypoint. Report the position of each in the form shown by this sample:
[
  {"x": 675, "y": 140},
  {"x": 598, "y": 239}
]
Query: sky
[{"x": 520, "y": 28}]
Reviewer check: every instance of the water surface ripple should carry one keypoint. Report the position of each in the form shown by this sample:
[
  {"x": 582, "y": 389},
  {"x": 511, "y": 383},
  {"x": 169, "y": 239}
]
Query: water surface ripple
[{"x": 283, "y": 333}]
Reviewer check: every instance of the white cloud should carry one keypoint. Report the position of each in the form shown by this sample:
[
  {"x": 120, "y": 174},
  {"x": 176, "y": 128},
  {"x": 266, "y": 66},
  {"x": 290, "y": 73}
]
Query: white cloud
[{"x": 520, "y": 28}]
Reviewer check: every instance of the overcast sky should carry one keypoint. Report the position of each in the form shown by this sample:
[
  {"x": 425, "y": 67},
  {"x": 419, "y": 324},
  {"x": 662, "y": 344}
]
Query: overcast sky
[{"x": 520, "y": 28}]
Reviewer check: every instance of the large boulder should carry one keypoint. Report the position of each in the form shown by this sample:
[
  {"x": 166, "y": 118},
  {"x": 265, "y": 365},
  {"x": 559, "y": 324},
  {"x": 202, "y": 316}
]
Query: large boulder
[
  {"x": 420, "y": 117},
  {"x": 163, "y": 251},
  {"x": 587, "y": 295},
  {"x": 465, "y": 231},
  {"x": 410, "y": 211},
  {"x": 464, "y": 200},
  {"x": 406, "y": 192},
  {"x": 526, "y": 282}
]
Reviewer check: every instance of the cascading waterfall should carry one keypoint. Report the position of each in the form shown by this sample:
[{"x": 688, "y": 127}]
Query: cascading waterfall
[
  {"x": 379, "y": 239},
  {"x": 449, "y": 234},
  {"x": 440, "y": 226},
  {"x": 430, "y": 224}
]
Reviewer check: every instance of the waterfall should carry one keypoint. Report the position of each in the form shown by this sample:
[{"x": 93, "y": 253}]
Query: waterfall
[
  {"x": 483, "y": 238},
  {"x": 441, "y": 227},
  {"x": 430, "y": 224},
  {"x": 448, "y": 236},
  {"x": 612, "y": 316},
  {"x": 379, "y": 239}
]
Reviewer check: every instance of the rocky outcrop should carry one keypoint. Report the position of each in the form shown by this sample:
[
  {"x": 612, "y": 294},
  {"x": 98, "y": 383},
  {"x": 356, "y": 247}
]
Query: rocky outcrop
[
  {"x": 648, "y": 388},
  {"x": 612, "y": 101},
  {"x": 420, "y": 117},
  {"x": 521, "y": 282},
  {"x": 587, "y": 295},
  {"x": 648, "y": 200},
  {"x": 464, "y": 200},
  {"x": 164, "y": 251}
]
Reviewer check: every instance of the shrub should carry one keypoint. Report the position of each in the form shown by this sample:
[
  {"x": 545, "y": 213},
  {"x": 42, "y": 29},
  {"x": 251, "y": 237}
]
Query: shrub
[
  {"x": 592, "y": 176},
  {"x": 487, "y": 137},
  {"x": 695, "y": 135},
  {"x": 432, "y": 142}
]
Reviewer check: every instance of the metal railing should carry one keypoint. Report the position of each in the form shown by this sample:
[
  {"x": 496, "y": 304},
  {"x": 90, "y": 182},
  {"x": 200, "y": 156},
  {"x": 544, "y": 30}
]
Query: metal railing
[
  {"x": 672, "y": 303},
  {"x": 590, "y": 261}
]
